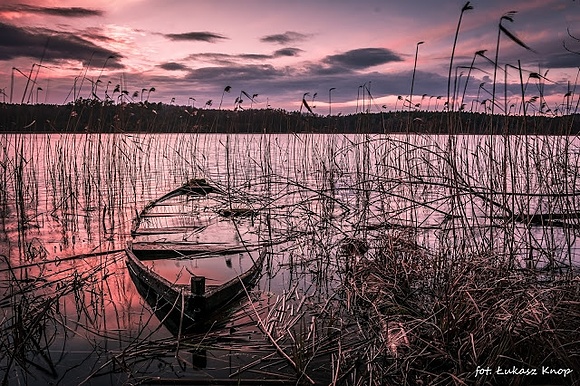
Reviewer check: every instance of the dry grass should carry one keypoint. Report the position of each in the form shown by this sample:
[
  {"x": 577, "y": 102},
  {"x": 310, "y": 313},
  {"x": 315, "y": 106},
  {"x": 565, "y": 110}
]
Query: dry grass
[{"x": 429, "y": 322}]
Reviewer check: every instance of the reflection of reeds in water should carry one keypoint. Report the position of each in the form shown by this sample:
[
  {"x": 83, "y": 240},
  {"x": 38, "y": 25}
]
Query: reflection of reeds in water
[
  {"x": 37, "y": 320},
  {"x": 5, "y": 167},
  {"x": 479, "y": 264},
  {"x": 390, "y": 193}
]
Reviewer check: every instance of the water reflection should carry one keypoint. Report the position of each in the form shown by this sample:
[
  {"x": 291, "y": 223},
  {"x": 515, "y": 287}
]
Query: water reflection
[{"x": 82, "y": 319}]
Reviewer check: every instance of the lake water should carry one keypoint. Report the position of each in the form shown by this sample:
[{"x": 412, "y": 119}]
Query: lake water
[{"x": 71, "y": 319}]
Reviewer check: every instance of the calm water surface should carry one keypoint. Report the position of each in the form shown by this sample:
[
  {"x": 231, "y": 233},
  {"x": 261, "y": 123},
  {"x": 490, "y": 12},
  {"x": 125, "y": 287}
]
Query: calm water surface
[{"x": 69, "y": 319}]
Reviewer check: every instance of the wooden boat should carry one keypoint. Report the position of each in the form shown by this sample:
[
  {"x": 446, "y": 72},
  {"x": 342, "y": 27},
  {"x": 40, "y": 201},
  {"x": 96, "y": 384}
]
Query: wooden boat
[{"x": 196, "y": 231}]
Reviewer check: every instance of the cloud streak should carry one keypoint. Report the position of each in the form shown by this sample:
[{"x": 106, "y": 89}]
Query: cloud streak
[
  {"x": 235, "y": 72},
  {"x": 229, "y": 59},
  {"x": 290, "y": 51},
  {"x": 72, "y": 12},
  {"x": 285, "y": 38},
  {"x": 204, "y": 36},
  {"x": 173, "y": 66}
]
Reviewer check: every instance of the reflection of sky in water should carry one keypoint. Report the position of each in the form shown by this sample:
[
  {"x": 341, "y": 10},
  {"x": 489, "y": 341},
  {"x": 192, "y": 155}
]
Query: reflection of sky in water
[
  {"x": 76, "y": 202},
  {"x": 217, "y": 270}
]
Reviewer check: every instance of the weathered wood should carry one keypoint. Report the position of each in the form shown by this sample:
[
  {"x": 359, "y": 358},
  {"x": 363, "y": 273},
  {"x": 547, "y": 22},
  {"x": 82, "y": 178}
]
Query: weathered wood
[
  {"x": 550, "y": 219},
  {"x": 165, "y": 297},
  {"x": 198, "y": 285},
  {"x": 189, "y": 307}
]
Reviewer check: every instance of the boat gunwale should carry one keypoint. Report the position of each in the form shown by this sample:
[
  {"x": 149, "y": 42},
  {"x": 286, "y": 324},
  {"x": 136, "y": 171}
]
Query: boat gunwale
[
  {"x": 211, "y": 290},
  {"x": 160, "y": 285}
]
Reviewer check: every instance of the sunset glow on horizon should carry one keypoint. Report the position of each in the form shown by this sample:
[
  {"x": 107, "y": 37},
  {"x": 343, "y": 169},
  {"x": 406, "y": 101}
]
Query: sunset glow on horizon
[{"x": 189, "y": 52}]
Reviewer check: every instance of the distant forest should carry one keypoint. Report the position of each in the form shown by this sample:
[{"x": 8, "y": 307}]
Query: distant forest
[{"x": 87, "y": 116}]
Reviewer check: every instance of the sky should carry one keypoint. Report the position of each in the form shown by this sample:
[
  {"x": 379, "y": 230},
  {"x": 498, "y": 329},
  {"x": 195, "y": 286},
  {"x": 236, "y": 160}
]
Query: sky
[{"x": 271, "y": 53}]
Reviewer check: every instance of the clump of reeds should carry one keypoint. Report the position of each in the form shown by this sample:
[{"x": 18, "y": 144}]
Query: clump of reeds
[{"x": 433, "y": 323}]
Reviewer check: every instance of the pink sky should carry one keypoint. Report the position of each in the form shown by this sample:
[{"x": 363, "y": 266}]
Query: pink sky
[{"x": 276, "y": 49}]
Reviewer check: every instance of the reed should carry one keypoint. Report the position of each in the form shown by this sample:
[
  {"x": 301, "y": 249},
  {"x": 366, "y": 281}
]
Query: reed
[{"x": 466, "y": 7}]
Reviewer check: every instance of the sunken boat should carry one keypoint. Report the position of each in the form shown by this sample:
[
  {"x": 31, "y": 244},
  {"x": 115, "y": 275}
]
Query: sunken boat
[{"x": 193, "y": 256}]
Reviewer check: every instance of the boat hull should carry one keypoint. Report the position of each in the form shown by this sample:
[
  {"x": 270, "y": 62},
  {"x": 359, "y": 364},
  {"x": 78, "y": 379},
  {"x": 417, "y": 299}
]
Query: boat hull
[
  {"x": 180, "y": 309},
  {"x": 208, "y": 232}
]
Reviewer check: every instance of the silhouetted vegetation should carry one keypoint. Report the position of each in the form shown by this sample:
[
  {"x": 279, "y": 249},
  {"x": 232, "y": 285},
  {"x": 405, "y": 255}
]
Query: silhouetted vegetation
[{"x": 87, "y": 116}]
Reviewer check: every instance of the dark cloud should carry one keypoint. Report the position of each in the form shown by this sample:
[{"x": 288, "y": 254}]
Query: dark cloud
[
  {"x": 555, "y": 53},
  {"x": 227, "y": 59},
  {"x": 204, "y": 36},
  {"x": 53, "y": 11},
  {"x": 235, "y": 73},
  {"x": 349, "y": 62},
  {"x": 285, "y": 38},
  {"x": 253, "y": 56},
  {"x": 94, "y": 33},
  {"x": 287, "y": 52},
  {"x": 562, "y": 60},
  {"x": 363, "y": 58},
  {"x": 18, "y": 42},
  {"x": 315, "y": 69},
  {"x": 172, "y": 66}
]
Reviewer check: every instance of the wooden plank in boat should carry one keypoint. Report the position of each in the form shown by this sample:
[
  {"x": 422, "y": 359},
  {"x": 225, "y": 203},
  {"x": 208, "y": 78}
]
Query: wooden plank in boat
[
  {"x": 158, "y": 250},
  {"x": 168, "y": 230}
]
